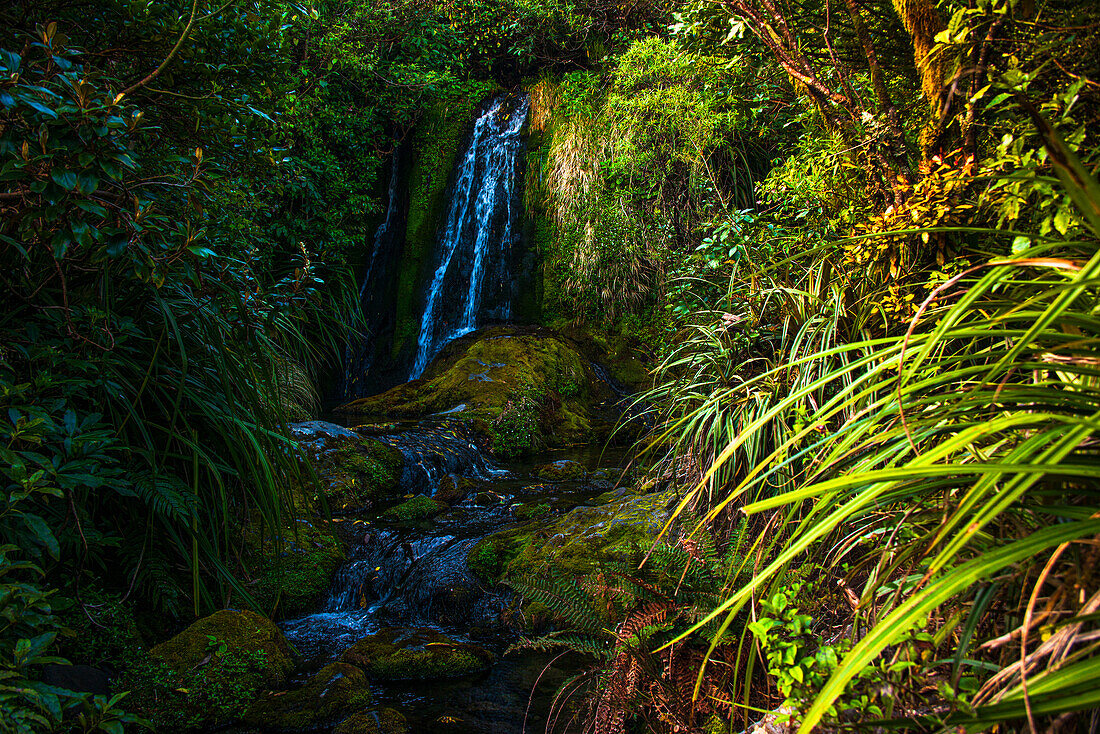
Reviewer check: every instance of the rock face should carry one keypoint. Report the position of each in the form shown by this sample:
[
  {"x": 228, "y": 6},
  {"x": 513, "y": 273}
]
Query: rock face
[
  {"x": 420, "y": 654},
  {"x": 242, "y": 632},
  {"x": 333, "y": 692},
  {"x": 382, "y": 721},
  {"x": 526, "y": 388}
]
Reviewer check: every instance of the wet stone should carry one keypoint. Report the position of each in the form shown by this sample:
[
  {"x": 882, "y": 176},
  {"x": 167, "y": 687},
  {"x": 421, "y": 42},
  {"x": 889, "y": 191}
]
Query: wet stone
[{"x": 417, "y": 654}]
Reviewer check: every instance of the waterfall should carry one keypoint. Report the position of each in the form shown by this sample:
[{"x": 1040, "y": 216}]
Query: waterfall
[
  {"x": 360, "y": 354},
  {"x": 479, "y": 233}
]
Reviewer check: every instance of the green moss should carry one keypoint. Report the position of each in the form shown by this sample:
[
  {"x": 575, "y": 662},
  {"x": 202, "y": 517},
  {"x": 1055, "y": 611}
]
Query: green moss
[
  {"x": 336, "y": 690},
  {"x": 533, "y": 511},
  {"x": 242, "y": 631},
  {"x": 528, "y": 387},
  {"x": 208, "y": 674},
  {"x": 383, "y": 721},
  {"x": 490, "y": 557},
  {"x": 291, "y": 581},
  {"x": 417, "y": 508},
  {"x": 575, "y": 543},
  {"x": 424, "y": 654},
  {"x": 358, "y": 474}
]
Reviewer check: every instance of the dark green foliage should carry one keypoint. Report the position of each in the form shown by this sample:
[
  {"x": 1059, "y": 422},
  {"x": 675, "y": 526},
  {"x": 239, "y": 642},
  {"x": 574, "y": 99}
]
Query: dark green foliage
[
  {"x": 516, "y": 430},
  {"x": 218, "y": 691}
]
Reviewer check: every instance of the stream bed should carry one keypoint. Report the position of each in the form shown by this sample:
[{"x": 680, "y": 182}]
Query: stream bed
[{"x": 414, "y": 576}]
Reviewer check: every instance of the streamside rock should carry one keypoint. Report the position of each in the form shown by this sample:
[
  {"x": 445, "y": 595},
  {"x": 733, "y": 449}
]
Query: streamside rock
[
  {"x": 524, "y": 388},
  {"x": 241, "y": 632},
  {"x": 356, "y": 471},
  {"x": 381, "y": 721},
  {"x": 575, "y": 542},
  {"x": 416, "y": 654},
  {"x": 562, "y": 470},
  {"x": 333, "y": 692}
]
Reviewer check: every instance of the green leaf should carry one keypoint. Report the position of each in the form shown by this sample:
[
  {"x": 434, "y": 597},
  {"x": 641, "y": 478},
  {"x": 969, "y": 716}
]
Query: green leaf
[
  {"x": 63, "y": 178},
  {"x": 42, "y": 534}
]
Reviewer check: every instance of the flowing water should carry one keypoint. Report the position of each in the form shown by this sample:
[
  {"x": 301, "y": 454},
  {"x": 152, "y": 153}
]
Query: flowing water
[
  {"x": 415, "y": 575},
  {"x": 360, "y": 353},
  {"x": 473, "y": 281}
]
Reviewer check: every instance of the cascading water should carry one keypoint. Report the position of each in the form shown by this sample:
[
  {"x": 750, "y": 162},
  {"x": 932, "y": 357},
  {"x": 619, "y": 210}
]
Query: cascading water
[
  {"x": 360, "y": 355},
  {"x": 473, "y": 281}
]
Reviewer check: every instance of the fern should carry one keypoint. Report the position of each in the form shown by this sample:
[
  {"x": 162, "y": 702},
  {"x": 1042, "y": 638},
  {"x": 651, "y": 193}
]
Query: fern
[{"x": 167, "y": 496}]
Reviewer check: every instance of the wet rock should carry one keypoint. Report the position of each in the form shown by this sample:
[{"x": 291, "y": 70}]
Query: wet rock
[
  {"x": 419, "y": 654},
  {"x": 562, "y": 470},
  {"x": 453, "y": 489},
  {"x": 417, "y": 508},
  {"x": 380, "y": 721},
  {"x": 242, "y": 632},
  {"x": 355, "y": 470},
  {"x": 333, "y": 692},
  {"x": 576, "y": 542},
  {"x": 523, "y": 388}
]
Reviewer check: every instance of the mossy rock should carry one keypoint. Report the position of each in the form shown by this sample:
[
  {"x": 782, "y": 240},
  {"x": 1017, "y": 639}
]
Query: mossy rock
[
  {"x": 207, "y": 675},
  {"x": 291, "y": 580},
  {"x": 577, "y": 542},
  {"x": 533, "y": 511},
  {"x": 359, "y": 473},
  {"x": 333, "y": 692},
  {"x": 562, "y": 470},
  {"x": 241, "y": 631},
  {"x": 419, "y": 654},
  {"x": 453, "y": 489},
  {"x": 525, "y": 388},
  {"x": 417, "y": 508},
  {"x": 381, "y": 721}
]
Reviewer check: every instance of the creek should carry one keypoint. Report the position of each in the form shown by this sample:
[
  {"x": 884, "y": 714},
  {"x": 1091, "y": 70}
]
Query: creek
[
  {"x": 414, "y": 575},
  {"x": 411, "y": 576}
]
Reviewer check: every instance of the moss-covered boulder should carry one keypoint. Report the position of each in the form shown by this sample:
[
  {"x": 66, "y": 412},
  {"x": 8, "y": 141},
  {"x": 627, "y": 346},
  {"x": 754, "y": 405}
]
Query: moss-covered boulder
[
  {"x": 381, "y": 721},
  {"x": 453, "y": 489},
  {"x": 356, "y": 471},
  {"x": 208, "y": 675},
  {"x": 332, "y": 693},
  {"x": 524, "y": 387},
  {"x": 240, "y": 631},
  {"x": 417, "y": 508},
  {"x": 562, "y": 470},
  {"x": 576, "y": 542},
  {"x": 419, "y": 654}
]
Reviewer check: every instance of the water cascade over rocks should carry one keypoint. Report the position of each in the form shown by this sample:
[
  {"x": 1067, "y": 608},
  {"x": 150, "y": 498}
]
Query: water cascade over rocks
[{"x": 473, "y": 281}]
